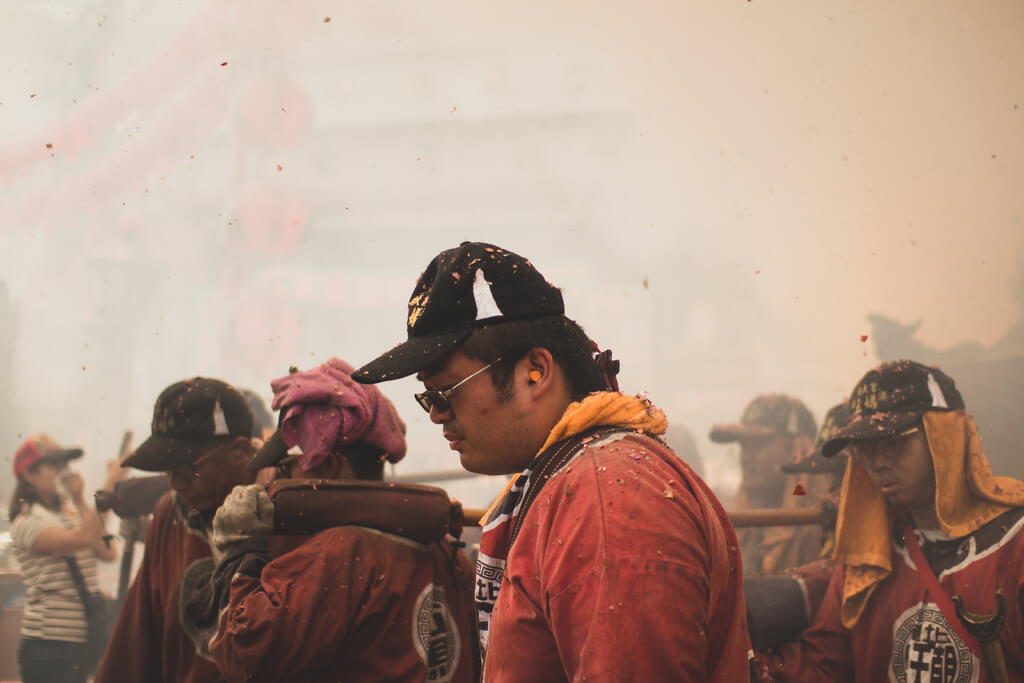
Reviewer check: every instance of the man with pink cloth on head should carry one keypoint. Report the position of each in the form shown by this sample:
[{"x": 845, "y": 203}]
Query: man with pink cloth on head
[{"x": 348, "y": 603}]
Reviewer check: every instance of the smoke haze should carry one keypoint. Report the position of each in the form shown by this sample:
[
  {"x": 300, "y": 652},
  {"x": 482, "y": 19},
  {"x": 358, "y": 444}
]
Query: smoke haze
[{"x": 725, "y": 192}]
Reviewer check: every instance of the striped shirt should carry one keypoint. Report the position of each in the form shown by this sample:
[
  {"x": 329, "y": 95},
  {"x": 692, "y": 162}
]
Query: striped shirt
[{"x": 53, "y": 608}]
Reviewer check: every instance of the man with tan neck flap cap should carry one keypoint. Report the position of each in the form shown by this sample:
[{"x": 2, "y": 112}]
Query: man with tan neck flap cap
[{"x": 929, "y": 547}]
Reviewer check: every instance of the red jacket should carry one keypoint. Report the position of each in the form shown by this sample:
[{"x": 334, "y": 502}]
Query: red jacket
[
  {"x": 352, "y": 604},
  {"x": 148, "y": 643},
  {"x": 626, "y": 569},
  {"x": 902, "y": 635}
]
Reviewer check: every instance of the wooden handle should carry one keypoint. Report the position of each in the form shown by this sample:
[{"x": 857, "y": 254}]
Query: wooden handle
[
  {"x": 126, "y": 446},
  {"x": 739, "y": 518}
]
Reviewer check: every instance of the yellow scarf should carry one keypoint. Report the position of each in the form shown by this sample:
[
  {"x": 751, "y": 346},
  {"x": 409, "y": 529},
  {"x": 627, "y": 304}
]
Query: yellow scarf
[
  {"x": 967, "y": 495},
  {"x": 596, "y": 410}
]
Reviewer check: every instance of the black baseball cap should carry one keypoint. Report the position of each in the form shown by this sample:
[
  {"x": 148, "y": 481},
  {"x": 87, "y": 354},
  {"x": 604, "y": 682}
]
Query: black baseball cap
[
  {"x": 814, "y": 462},
  {"x": 273, "y": 451},
  {"x": 462, "y": 289},
  {"x": 188, "y": 415},
  {"x": 890, "y": 399}
]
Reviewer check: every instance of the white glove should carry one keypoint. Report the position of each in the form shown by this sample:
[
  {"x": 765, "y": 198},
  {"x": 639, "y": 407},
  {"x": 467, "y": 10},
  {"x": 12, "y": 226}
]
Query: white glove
[{"x": 246, "y": 512}]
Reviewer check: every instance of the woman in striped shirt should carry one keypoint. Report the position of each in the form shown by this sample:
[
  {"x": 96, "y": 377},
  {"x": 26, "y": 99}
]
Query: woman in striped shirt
[{"x": 47, "y": 527}]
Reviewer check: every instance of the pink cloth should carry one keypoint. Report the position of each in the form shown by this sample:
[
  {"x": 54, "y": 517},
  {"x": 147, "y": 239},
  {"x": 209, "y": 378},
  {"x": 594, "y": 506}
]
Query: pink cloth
[{"x": 323, "y": 409}]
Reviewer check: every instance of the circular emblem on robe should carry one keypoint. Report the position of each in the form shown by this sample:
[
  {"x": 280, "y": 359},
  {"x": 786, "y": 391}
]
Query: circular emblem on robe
[
  {"x": 926, "y": 648},
  {"x": 435, "y": 635}
]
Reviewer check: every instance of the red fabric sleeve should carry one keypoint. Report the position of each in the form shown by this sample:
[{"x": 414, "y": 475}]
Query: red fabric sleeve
[
  {"x": 287, "y": 620},
  {"x": 823, "y": 653},
  {"x": 134, "y": 652}
]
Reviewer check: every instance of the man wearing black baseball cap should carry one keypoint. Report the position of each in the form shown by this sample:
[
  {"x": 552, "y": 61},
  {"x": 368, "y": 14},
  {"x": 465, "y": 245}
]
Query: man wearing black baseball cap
[
  {"x": 605, "y": 542},
  {"x": 929, "y": 545},
  {"x": 202, "y": 439}
]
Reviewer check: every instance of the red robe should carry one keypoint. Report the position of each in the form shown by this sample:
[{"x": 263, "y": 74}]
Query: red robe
[
  {"x": 352, "y": 604},
  {"x": 626, "y": 569},
  {"x": 902, "y": 635},
  {"x": 148, "y": 643}
]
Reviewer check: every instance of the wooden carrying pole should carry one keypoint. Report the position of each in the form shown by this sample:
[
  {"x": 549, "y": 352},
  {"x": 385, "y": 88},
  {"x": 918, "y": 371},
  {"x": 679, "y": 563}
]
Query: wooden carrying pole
[{"x": 739, "y": 518}]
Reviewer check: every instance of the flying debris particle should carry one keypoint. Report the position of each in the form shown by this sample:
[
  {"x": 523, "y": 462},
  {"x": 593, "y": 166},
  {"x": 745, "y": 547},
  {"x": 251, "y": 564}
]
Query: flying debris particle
[
  {"x": 83, "y": 367},
  {"x": 799, "y": 490},
  {"x": 280, "y": 167},
  {"x": 758, "y": 271},
  {"x": 49, "y": 145},
  {"x": 32, "y": 95},
  {"x": 191, "y": 156},
  {"x": 645, "y": 283},
  {"x": 863, "y": 337},
  {"x": 284, "y": 110},
  {"x": 451, "y": 112},
  {"x": 327, "y": 20},
  {"x": 223, "y": 63}
]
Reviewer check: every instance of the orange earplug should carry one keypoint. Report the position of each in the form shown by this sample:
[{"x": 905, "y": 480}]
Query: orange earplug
[{"x": 534, "y": 375}]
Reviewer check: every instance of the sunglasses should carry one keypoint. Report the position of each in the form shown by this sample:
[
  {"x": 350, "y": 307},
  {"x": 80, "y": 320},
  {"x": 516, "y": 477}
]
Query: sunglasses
[
  {"x": 190, "y": 470},
  {"x": 440, "y": 399}
]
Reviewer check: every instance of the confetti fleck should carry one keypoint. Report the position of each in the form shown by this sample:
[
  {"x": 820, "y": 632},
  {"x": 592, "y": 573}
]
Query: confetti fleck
[
  {"x": 863, "y": 337},
  {"x": 223, "y": 63},
  {"x": 280, "y": 167}
]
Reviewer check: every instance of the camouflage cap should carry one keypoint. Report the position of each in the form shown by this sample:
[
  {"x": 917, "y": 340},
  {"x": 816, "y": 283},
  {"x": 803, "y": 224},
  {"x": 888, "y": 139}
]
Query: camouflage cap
[
  {"x": 890, "y": 399},
  {"x": 813, "y": 461},
  {"x": 768, "y": 415}
]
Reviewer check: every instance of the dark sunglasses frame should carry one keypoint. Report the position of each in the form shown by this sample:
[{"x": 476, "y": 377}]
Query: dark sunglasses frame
[
  {"x": 190, "y": 470},
  {"x": 433, "y": 398}
]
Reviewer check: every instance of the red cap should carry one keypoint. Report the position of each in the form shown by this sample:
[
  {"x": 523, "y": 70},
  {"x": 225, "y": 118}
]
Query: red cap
[{"x": 38, "y": 447}]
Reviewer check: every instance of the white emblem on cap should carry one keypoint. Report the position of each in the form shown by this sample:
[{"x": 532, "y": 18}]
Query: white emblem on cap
[
  {"x": 938, "y": 400},
  {"x": 791, "y": 426},
  {"x": 220, "y": 424},
  {"x": 486, "y": 306}
]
